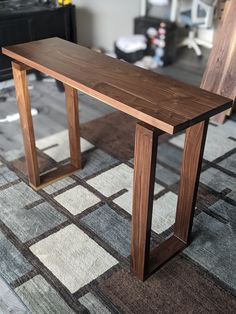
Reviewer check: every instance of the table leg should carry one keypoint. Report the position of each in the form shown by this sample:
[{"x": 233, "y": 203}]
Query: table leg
[
  {"x": 191, "y": 167},
  {"x": 143, "y": 261},
  {"x": 144, "y": 174},
  {"x": 23, "y": 100},
  {"x": 36, "y": 180},
  {"x": 73, "y": 125}
]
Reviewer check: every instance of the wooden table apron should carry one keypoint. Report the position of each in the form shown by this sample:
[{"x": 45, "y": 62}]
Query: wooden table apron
[{"x": 143, "y": 261}]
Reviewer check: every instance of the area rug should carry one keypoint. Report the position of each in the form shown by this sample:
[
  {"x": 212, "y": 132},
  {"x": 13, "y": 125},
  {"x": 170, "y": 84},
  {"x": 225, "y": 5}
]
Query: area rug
[{"x": 65, "y": 248}]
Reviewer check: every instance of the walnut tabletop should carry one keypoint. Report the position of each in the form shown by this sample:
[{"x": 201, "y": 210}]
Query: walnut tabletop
[{"x": 158, "y": 100}]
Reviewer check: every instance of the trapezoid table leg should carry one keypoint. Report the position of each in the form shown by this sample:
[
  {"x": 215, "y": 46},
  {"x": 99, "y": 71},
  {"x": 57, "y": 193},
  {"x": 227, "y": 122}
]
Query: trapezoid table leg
[
  {"x": 190, "y": 172},
  {"x": 37, "y": 181},
  {"x": 73, "y": 125},
  {"x": 143, "y": 261},
  {"x": 146, "y": 138},
  {"x": 23, "y": 100}
]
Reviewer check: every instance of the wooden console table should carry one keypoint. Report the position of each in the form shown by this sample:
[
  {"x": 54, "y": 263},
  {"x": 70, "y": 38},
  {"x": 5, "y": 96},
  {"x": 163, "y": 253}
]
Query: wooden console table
[{"x": 160, "y": 103}]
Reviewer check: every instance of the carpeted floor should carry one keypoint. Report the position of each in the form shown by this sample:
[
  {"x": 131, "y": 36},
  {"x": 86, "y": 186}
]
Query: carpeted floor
[{"x": 65, "y": 249}]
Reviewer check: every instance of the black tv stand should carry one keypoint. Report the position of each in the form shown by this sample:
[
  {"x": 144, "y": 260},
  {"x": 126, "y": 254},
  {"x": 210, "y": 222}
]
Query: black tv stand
[{"x": 33, "y": 23}]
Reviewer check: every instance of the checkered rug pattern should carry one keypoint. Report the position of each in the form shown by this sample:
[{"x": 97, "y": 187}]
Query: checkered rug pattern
[{"x": 65, "y": 248}]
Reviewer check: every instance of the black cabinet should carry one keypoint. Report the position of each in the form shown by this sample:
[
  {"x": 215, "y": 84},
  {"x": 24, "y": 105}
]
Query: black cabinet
[{"x": 34, "y": 24}]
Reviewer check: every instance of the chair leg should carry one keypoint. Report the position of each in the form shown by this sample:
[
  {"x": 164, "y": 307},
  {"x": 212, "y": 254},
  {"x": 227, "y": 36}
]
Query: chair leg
[
  {"x": 191, "y": 43},
  {"x": 196, "y": 48},
  {"x": 184, "y": 43},
  {"x": 203, "y": 43},
  {"x": 144, "y": 262}
]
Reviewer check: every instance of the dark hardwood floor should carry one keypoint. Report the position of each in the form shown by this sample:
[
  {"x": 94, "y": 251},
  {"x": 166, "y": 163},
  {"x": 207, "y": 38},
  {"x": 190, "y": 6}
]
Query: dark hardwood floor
[{"x": 188, "y": 68}]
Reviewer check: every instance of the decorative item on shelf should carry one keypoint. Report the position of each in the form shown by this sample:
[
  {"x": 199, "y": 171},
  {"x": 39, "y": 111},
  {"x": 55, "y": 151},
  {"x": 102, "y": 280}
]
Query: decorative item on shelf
[
  {"x": 64, "y": 2},
  {"x": 131, "y": 48},
  {"x": 161, "y": 39},
  {"x": 157, "y": 40}
]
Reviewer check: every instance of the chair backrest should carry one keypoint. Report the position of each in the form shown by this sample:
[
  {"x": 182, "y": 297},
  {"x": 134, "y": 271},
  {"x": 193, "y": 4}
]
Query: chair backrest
[
  {"x": 220, "y": 73},
  {"x": 203, "y": 12}
]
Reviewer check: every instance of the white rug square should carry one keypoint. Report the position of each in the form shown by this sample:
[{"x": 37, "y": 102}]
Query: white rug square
[
  {"x": 164, "y": 209},
  {"x": 164, "y": 212},
  {"x": 125, "y": 201},
  {"x": 73, "y": 257},
  {"x": 113, "y": 180},
  {"x": 77, "y": 199},
  {"x": 57, "y": 145},
  {"x": 121, "y": 177}
]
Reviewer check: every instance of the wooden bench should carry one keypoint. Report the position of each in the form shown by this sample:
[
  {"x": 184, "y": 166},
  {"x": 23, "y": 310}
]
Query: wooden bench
[{"x": 160, "y": 103}]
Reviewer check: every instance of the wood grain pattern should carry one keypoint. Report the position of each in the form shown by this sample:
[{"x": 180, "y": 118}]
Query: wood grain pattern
[
  {"x": 163, "y": 252},
  {"x": 191, "y": 167},
  {"x": 220, "y": 73},
  {"x": 158, "y": 100},
  {"x": 55, "y": 175},
  {"x": 73, "y": 125},
  {"x": 23, "y": 100},
  {"x": 144, "y": 175}
]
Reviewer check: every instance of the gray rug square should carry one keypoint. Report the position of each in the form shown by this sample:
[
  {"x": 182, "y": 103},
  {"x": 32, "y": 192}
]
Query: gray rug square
[
  {"x": 10, "y": 303},
  {"x": 110, "y": 227},
  {"x": 59, "y": 185},
  {"x": 28, "y": 223},
  {"x": 93, "y": 304},
  {"x": 225, "y": 210},
  {"x": 165, "y": 175},
  {"x": 214, "y": 247},
  {"x": 229, "y": 163},
  {"x": 40, "y": 297},
  {"x": 170, "y": 155},
  {"x": 96, "y": 160},
  {"x": 7, "y": 176},
  {"x": 219, "y": 181},
  {"x": 17, "y": 196},
  {"x": 13, "y": 264}
]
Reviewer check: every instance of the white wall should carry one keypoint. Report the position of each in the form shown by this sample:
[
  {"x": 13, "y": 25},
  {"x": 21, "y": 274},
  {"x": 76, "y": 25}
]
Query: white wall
[{"x": 100, "y": 22}]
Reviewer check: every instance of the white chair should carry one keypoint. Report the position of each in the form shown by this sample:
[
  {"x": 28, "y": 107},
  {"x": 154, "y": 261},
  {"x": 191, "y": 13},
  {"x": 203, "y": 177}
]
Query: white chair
[{"x": 200, "y": 15}]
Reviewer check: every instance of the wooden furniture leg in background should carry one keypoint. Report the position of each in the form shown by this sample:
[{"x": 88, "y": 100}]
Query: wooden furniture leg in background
[
  {"x": 36, "y": 180},
  {"x": 144, "y": 262}
]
